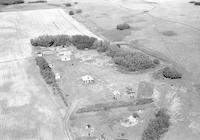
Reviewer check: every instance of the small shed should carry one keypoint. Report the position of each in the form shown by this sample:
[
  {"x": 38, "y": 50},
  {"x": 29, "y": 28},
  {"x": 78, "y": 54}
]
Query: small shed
[
  {"x": 116, "y": 94},
  {"x": 65, "y": 55},
  {"x": 57, "y": 76},
  {"x": 39, "y": 54},
  {"x": 130, "y": 121},
  {"x": 87, "y": 79},
  {"x": 88, "y": 126},
  {"x": 50, "y": 65}
]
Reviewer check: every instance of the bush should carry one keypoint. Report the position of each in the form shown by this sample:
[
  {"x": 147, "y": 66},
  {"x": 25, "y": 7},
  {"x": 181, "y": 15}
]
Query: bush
[
  {"x": 156, "y": 61},
  {"x": 50, "y": 40},
  {"x": 78, "y": 11},
  {"x": 82, "y": 41},
  {"x": 192, "y": 2},
  {"x": 68, "y": 4},
  {"x": 157, "y": 126},
  {"x": 123, "y": 26},
  {"x": 114, "y": 50},
  {"x": 10, "y": 2},
  {"x": 197, "y": 3},
  {"x": 133, "y": 61},
  {"x": 171, "y": 73},
  {"x": 101, "y": 46},
  {"x": 45, "y": 41},
  {"x": 61, "y": 40},
  {"x": 71, "y": 12}
]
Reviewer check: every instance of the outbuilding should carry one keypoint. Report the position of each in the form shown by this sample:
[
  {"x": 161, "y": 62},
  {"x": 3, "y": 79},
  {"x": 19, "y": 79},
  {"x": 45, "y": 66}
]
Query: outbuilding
[
  {"x": 65, "y": 58},
  {"x": 116, "y": 94},
  {"x": 87, "y": 79},
  {"x": 57, "y": 76}
]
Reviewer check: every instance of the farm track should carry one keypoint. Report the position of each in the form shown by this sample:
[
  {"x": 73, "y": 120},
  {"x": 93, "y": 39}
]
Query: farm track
[{"x": 66, "y": 119}]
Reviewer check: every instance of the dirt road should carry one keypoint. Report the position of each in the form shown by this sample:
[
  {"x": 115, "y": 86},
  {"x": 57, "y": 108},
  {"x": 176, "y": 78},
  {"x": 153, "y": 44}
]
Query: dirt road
[{"x": 66, "y": 119}]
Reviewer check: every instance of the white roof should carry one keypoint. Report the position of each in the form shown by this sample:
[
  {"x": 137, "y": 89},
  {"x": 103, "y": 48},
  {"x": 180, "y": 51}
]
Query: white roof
[
  {"x": 65, "y": 58},
  {"x": 65, "y": 53},
  {"x": 87, "y": 77},
  {"x": 57, "y": 76},
  {"x": 131, "y": 122},
  {"x": 116, "y": 92}
]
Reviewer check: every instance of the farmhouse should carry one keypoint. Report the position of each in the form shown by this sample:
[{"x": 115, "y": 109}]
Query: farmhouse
[
  {"x": 65, "y": 55},
  {"x": 87, "y": 79},
  {"x": 130, "y": 121}
]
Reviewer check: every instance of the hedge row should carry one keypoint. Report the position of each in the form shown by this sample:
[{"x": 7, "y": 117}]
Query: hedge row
[
  {"x": 157, "y": 126},
  {"x": 113, "y": 105},
  {"x": 51, "y": 40},
  {"x": 45, "y": 70},
  {"x": 49, "y": 77},
  {"x": 38, "y": 1},
  {"x": 132, "y": 61},
  {"x": 10, "y": 2},
  {"x": 80, "y": 41}
]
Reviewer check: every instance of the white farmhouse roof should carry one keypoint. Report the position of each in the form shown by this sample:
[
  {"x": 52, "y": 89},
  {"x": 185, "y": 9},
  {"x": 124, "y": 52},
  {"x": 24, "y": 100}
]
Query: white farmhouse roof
[{"x": 87, "y": 78}]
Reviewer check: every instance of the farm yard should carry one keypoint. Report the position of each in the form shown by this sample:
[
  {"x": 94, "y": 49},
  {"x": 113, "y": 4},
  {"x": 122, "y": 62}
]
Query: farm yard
[{"x": 90, "y": 70}]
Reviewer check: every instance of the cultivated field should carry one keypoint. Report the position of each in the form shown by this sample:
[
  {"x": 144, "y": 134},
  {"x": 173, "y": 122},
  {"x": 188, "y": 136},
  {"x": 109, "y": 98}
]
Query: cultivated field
[{"x": 28, "y": 108}]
